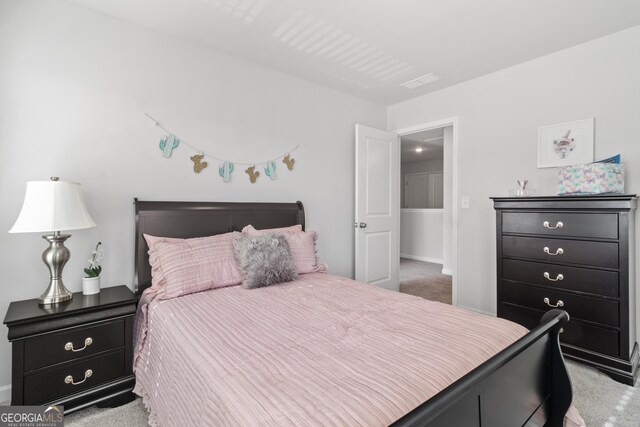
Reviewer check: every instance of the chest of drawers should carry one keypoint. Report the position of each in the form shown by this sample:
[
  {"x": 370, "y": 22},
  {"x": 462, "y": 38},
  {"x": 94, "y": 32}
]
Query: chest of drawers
[
  {"x": 577, "y": 253},
  {"x": 74, "y": 354}
]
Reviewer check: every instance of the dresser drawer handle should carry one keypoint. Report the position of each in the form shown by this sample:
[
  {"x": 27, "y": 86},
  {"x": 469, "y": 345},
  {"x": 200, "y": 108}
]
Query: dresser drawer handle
[
  {"x": 559, "y": 251},
  {"x": 87, "y": 342},
  {"x": 558, "y": 304},
  {"x": 69, "y": 379},
  {"x": 559, "y": 224},
  {"x": 558, "y": 277}
]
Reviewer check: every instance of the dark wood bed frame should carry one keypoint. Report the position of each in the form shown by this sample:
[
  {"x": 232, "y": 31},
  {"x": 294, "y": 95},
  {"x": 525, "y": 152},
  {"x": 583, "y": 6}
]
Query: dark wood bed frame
[{"x": 526, "y": 384}]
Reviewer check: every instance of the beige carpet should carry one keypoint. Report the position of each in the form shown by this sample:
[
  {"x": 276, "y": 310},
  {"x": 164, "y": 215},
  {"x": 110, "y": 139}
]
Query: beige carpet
[
  {"x": 601, "y": 401},
  {"x": 424, "y": 279}
]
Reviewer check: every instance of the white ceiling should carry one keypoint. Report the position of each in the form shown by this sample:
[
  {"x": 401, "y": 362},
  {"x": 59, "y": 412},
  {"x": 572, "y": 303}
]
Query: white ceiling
[
  {"x": 431, "y": 141},
  {"x": 369, "y": 47}
]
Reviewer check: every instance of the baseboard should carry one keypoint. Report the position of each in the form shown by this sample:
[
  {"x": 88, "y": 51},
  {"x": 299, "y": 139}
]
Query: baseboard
[
  {"x": 477, "y": 311},
  {"x": 391, "y": 287},
  {"x": 5, "y": 394},
  {"x": 447, "y": 271},
  {"x": 421, "y": 258}
]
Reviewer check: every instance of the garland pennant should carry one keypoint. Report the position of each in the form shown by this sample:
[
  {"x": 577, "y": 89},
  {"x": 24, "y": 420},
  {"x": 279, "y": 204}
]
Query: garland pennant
[{"x": 169, "y": 142}]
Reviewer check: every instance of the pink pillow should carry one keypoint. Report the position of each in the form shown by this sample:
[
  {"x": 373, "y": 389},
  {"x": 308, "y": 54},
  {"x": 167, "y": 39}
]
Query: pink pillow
[
  {"x": 301, "y": 244},
  {"x": 196, "y": 265},
  {"x": 303, "y": 251},
  {"x": 250, "y": 231},
  {"x": 157, "y": 278}
]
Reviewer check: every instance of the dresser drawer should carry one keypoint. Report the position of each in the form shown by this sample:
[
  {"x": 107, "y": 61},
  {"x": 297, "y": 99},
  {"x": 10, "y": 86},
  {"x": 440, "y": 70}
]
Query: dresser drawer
[
  {"x": 575, "y": 332},
  {"x": 566, "y": 224},
  {"x": 53, "y": 348},
  {"x": 597, "y": 254},
  {"x": 50, "y": 385},
  {"x": 597, "y": 282},
  {"x": 597, "y": 310}
]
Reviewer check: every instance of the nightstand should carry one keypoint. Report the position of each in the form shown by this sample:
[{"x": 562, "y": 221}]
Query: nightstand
[{"x": 75, "y": 354}]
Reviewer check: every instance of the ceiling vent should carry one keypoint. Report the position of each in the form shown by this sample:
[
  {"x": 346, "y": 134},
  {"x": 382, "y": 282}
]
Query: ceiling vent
[{"x": 421, "y": 81}]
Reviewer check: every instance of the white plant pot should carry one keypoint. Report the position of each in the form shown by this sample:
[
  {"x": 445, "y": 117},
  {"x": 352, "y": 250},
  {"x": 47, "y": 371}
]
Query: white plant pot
[{"x": 90, "y": 285}]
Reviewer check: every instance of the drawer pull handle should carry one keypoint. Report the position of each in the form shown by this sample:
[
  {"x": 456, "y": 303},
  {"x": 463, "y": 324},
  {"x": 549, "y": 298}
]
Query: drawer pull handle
[
  {"x": 69, "y": 379},
  {"x": 558, "y": 277},
  {"x": 87, "y": 342},
  {"x": 558, "y": 304},
  {"x": 559, "y": 251},
  {"x": 546, "y": 224}
]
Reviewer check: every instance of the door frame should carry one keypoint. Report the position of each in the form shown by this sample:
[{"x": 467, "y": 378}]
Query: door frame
[{"x": 454, "y": 123}]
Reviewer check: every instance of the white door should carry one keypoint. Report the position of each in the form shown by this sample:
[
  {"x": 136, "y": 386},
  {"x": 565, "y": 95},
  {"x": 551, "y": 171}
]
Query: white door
[{"x": 377, "y": 207}]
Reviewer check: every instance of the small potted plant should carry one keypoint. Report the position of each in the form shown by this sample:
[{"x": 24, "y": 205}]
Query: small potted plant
[{"x": 91, "y": 283}]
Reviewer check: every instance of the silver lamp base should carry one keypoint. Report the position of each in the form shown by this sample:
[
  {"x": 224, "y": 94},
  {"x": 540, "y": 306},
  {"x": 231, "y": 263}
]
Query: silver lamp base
[{"x": 55, "y": 257}]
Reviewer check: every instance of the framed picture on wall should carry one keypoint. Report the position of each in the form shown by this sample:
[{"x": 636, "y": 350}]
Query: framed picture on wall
[{"x": 564, "y": 144}]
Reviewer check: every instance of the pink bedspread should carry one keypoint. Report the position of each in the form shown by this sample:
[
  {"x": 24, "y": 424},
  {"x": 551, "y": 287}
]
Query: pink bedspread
[{"x": 320, "y": 351}]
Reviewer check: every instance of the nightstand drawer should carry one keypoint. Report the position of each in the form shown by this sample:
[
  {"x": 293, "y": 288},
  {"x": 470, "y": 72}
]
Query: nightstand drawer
[
  {"x": 597, "y": 282},
  {"x": 597, "y": 226},
  {"x": 71, "y": 344},
  {"x": 581, "y": 307},
  {"x": 598, "y": 254},
  {"x": 577, "y": 333},
  {"x": 54, "y": 384}
]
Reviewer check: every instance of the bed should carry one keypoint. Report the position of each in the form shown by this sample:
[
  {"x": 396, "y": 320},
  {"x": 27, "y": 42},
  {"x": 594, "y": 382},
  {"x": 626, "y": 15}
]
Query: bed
[{"x": 326, "y": 350}]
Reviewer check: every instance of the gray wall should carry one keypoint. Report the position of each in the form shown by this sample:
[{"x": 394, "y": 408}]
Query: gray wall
[
  {"x": 421, "y": 234},
  {"x": 499, "y": 117},
  {"x": 74, "y": 85}
]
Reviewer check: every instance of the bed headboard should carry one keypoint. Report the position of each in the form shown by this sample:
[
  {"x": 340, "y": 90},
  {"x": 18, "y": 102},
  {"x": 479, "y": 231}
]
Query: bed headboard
[{"x": 199, "y": 219}]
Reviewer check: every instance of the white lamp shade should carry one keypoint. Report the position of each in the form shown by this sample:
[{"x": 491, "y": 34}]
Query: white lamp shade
[{"x": 52, "y": 206}]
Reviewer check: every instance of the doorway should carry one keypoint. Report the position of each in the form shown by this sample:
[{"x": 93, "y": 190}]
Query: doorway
[
  {"x": 378, "y": 189},
  {"x": 426, "y": 193}
]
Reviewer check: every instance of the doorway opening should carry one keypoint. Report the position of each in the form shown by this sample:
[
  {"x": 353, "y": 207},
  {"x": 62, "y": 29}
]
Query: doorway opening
[{"x": 426, "y": 228}]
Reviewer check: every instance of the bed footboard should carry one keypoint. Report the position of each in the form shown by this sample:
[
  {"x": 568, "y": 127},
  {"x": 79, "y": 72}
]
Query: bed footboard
[{"x": 526, "y": 384}]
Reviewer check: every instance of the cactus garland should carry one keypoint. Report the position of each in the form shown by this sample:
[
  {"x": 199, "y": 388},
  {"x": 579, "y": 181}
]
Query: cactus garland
[
  {"x": 287, "y": 160},
  {"x": 225, "y": 170},
  {"x": 253, "y": 174},
  {"x": 270, "y": 170},
  {"x": 198, "y": 164},
  {"x": 169, "y": 142}
]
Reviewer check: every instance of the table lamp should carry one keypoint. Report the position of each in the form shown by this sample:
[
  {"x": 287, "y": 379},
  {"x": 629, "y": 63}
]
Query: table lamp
[{"x": 53, "y": 206}]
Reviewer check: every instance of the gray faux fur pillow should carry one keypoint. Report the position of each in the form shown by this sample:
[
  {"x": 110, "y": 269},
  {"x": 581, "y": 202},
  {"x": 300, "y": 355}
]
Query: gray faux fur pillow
[{"x": 264, "y": 260}]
